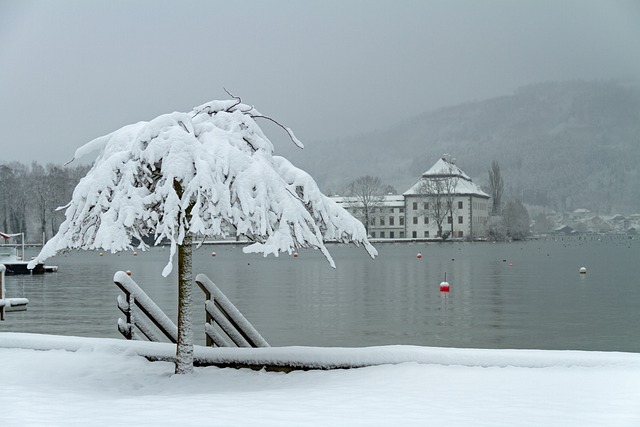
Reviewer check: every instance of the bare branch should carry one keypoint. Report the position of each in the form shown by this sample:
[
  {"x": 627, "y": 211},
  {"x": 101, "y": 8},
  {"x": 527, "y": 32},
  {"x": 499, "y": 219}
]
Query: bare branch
[
  {"x": 237, "y": 98},
  {"x": 182, "y": 125},
  {"x": 286, "y": 129},
  {"x": 250, "y": 144}
]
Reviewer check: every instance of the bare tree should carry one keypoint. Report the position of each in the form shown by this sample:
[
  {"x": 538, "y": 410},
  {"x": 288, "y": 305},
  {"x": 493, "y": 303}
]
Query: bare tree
[
  {"x": 369, "y": 194},
  {"x": 440, "y": 191},
  {"x": 15, "y": 197},
  {"x": 496, "y": 187},
  {"x": 39, "y": 189}
]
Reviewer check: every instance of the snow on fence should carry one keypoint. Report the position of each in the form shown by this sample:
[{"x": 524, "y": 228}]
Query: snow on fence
[
  {"x": 136, "y": 297},
  {"x": 219, "y": 310},
  {"x": 9, "y": 304}
]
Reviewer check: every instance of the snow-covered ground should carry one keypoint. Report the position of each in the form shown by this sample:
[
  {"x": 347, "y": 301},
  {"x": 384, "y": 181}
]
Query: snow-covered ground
[{"x": 105, "y": 382}]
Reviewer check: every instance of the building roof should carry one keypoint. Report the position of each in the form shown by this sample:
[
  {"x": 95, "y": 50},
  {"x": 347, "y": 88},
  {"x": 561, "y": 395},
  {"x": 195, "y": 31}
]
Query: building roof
[
  {"x": 389, "y": 200},
  {"x": 444, "y": 168}
]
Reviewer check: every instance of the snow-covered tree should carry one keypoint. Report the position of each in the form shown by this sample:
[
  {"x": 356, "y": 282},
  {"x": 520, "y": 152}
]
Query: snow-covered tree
[
  {"x": 210, "y": 172},
  {"x": 516, "y": 219}
]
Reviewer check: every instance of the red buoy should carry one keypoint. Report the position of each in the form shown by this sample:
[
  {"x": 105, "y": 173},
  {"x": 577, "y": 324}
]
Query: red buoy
[
  {"x": 444, "y": 286},
  {"x": 295, "y": 254},
  {"x": 419, "y": 255},
  {"x": 213, "y": 254}
]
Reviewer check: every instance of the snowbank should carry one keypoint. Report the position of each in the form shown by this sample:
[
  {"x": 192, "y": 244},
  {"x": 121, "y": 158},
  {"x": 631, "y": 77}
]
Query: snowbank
[{"x": 105, "y": 382}]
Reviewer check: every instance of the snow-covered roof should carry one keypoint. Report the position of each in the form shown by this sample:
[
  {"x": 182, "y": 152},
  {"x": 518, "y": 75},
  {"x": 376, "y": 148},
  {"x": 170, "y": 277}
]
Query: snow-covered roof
[
  {"x": 389, "y": 200},
  {"x": 445, "y": 169}
]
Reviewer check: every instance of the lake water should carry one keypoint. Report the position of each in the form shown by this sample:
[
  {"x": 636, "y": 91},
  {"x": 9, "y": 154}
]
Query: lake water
[{"x": 512, "y": 295}]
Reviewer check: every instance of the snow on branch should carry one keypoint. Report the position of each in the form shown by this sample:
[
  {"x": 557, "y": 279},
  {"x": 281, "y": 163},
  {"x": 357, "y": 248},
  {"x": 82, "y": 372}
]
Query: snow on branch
[{"x": 231, "y": 185}]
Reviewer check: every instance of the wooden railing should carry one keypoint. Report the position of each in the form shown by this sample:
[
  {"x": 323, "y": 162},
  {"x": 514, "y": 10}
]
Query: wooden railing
[
  {"x": 220, "y": 311},
  {"x": 136, "y": 297},
  {"x": 223, "y": 319}
]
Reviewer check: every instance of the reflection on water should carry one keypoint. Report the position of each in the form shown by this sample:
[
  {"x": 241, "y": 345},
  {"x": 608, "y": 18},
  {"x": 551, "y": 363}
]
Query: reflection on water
[{"x": 518, "y": 295}]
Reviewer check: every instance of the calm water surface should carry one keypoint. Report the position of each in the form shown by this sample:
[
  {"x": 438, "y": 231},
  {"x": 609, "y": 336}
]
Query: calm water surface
[{"x": 516, "y": 295}]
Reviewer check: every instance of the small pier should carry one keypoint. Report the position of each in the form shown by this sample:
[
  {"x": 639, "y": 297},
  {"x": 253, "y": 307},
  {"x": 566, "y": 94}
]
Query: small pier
[{"x": 9, "y": 304}]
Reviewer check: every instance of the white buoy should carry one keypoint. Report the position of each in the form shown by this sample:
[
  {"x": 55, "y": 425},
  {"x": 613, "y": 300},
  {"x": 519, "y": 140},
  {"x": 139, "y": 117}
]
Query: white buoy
[{"x": 583, "y": 270}]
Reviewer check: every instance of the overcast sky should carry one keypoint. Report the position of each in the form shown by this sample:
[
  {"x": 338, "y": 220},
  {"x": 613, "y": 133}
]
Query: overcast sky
[{"x": 71, "y": 71}]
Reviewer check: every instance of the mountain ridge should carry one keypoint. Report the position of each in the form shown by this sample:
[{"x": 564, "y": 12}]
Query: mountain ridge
[{"x": 562, "y": 145}]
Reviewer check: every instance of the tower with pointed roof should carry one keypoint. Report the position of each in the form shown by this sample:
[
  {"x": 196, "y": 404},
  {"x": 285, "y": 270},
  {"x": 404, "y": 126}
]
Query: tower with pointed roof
[{"x": 445, "y": 201}]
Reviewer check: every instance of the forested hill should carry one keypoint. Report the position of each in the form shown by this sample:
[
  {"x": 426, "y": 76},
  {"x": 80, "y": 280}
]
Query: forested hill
[{"x": 564, "y": 145}]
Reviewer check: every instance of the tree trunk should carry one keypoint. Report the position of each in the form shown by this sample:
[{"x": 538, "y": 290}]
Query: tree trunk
[{"x": 184, "y": 350}]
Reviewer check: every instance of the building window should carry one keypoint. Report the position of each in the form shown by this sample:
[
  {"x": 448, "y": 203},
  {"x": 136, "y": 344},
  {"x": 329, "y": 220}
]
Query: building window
[
  {"x": 460, "y": 233},
  {"x": 391, "y": 234},
  {"x": 425, "y": 206},
  {"x": 459, "y": 205},
  {"x": 392, "y": 220},
  {"x": 401, "y": 210},
  {"x": 415, "y": 206},
  {"x": 382, "y": 234},
  {"x": 381, "y": 220},
  {"x": 426, "y": 220},
  {"x": 402, "y": 234},
  {"x": 372, "y": 221},
  {"x": 460, "y": 220},
  {"x": 401, "y": 220},
  {"x": 414, "y": 234},
  {"x": 450, "y": 220},
  {"x": 426, "y": 234},
  {"x": 415, "y": 219},
  {"x": 373, "y": 234}
]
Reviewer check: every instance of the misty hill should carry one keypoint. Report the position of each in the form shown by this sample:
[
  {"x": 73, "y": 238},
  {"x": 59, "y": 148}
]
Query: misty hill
[{"x": 564, "y": 145}]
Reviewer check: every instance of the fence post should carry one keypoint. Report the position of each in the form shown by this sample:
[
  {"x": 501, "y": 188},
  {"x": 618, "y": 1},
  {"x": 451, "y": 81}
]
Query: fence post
[
  {"x": 208, "y": 318},
  {"x": 2, "y": 291}
]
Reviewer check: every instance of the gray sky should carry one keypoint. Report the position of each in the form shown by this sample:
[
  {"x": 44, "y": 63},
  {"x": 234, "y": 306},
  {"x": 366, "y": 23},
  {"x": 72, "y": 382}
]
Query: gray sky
[{"x": 71, "y": 71}]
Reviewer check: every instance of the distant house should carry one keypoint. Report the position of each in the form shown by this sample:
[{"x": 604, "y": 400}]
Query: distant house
[
  {"x": 411, "y": 215},
  {"x": 565, "y": 229},
  {"x": 469, "y": 210},
  {"x": 386, "y": 220}
]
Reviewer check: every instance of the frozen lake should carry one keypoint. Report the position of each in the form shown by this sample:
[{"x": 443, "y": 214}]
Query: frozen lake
[{"x": 517, "y": 295}]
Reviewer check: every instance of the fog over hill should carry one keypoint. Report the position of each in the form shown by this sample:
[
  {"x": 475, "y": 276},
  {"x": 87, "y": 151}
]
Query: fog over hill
[{"x": 563, "y": 145}]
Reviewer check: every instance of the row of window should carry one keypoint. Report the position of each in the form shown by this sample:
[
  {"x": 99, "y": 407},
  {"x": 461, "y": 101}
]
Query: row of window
[
  {"x": 425, "y": 220},
  {"x": 389, "y": 210},
  {"x": 449, "y": 220},
  {"x": 414, "y": 234},
  {"x": 425, "y": 206},
  {"x": 392, "y": 221}
]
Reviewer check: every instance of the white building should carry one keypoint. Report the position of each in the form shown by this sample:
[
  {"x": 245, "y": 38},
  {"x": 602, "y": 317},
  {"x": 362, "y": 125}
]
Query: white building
[
  {"x": 412, "y": 214},
  {"x": 386, "y": 220},
  {"x": 446, "y": 184}
]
